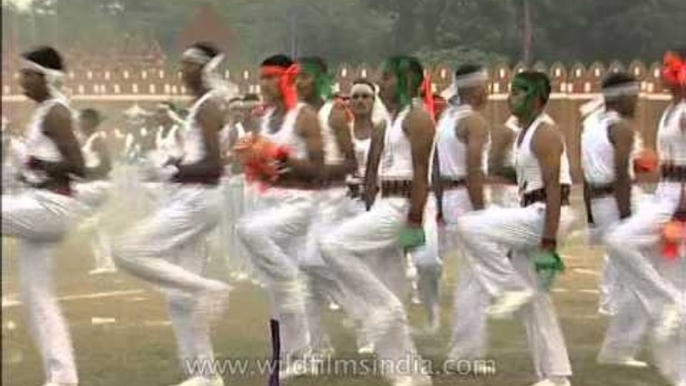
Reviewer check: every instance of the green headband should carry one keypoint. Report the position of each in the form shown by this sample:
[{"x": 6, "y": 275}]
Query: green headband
[
  {"x": 401, "y": 68},
  {"x": 532, "y": 89},
  {"x": 323, "y": 82}
]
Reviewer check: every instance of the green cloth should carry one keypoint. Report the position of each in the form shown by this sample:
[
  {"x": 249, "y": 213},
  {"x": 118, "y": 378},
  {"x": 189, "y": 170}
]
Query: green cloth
[
  {"x": 548, "y": 266},
  {"x": 412, "y": 237},
  {"x": 323, "y": 82}
]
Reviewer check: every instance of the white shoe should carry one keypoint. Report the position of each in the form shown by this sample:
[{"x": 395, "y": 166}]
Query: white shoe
[
  {"x": 102, "y": 271},
  {"x": 60, "y": 384},
  {"x": 669, "y": 323},
  {"x": 413, "y": 380},
  {"x": 628, "y": 362},
  {"x": 509, "y": 303},
  {"x": 549, "y": 382},
  {"x": 299, "y": 368},
  {"x": 367, "y": 349},
  {"x": 202, "y": 381}
]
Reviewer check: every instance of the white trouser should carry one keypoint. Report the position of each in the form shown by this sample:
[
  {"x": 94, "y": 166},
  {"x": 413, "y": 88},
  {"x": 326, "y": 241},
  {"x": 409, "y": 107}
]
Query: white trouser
[
  {"x": 670, "y": 355},
  {"x": 487, "y": 237},
  {"x": 39, "y": 220},
  {"x": 389, "y": 265},
  {"x": 94, "y": 194},
  {"x": 469, "y": 335},
  {"x": 167, "y": 250},
  {"x": 656, "y": 282},
  {"x": 191, "y": 213},
  {"x": 506, "y": 196},
  {"x": 189, "y": 319},
  {"x": 428, "y": 262},
  {"x": 331, "y": 209},
  {"x": 234, "y": 253},
  {"x": 632, "y": 245},
  {"x": 629, "y": 320},
  {"x": 346, "y": 249},
  {"x": 272, "y": 236}
]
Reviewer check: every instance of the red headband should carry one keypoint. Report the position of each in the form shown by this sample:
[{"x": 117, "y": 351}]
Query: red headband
[
  {"x": 428, "y": 97},
  {"x": 286, "y": 82},
  {"x": 674, "y": 71}
]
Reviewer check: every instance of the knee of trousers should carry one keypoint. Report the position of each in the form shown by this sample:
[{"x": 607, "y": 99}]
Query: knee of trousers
[
  {"x": 330, "y": 247},
  {"x": 618, "y": 241},
  {"x": 252, "y": 232},
  {"x": 126, "y": 252},
  {"x": 467, "y": 227}
]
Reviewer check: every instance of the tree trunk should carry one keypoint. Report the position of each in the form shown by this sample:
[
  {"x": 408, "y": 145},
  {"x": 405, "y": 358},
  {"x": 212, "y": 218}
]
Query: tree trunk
[{"x": 526, "y": 30}]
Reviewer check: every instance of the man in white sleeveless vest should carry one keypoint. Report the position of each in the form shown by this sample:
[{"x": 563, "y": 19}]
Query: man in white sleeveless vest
[
  {"x": 662, "y": 289},
  {"x": 607, "y": 142},
  {"x": 530, "y": 233},
  {"x": 167, "y": 248},
  {"x": 97, "y": 187},
  {"x": 40, "y": 216},
  {"x": 462, "y": 144},
  {"x": 314, "y": 86},
  {"x": 370, "y": 120},
  {"x": 273, "y": 233},
  {"x": 394, "y": 222}
]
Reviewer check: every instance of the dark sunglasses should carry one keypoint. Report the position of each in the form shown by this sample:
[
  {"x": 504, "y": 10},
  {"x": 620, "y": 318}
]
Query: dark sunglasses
[{"x": 361, "y": 96}]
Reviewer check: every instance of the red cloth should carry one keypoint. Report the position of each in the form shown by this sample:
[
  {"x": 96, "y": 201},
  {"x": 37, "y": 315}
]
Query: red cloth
[
  {"x": 260, "y": 159},
  {"x": 674, "y": 70},
  {"x": 428, "y": 97},
  {"x": 672, "y": 236},
  {"x": 646, "y": 162},
  {"x": 286, "y": 82}
]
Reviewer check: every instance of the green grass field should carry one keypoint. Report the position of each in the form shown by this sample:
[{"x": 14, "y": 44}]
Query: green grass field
[{"x": 138, "y": 347}]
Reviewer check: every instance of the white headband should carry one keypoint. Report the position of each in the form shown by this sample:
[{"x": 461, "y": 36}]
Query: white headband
[
  {"x": 33, "y": 66},
  {"x": 627, "y": 89},
  {"x": 471, "y": 80},
  {"x": 362, "y": 88},
  {"x": 463, "y": 81},
  {"x": 53, "y": 78},
  {"x": 196, "y": 55},
  {"x": 210, "y": 77}
]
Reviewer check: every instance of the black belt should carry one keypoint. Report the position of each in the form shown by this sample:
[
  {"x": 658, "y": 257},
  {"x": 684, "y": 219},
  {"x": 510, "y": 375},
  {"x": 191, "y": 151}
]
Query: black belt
[
  {"x": 56, "y": 186},
  {"x": 674, "y": 173},
  {"x": 207, "y": 180},
  {"x": 398, "y": 188},
  {"x": 448, "y": 184},
  {"x": 600, "y": 191},
  {"x": 539, "y": 195}
]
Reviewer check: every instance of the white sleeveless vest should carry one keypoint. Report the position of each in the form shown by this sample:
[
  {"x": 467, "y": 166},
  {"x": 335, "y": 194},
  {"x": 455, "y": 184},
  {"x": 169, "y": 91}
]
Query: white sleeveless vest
[
  {"x": 332, "y": 153},
  {"x": 671, "y": 135},
  {"x": 193, "y": 143},
  {"x": 529, "y": 177},
  {"x": 287, "y": 135},
  {"x": 452, "y": 152},
  {"x": 597, "y": 152},
  {"x": 396, "y": 161},
  {"x": 90, "y": 157},
  {"x": 39, "y": 145}
]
